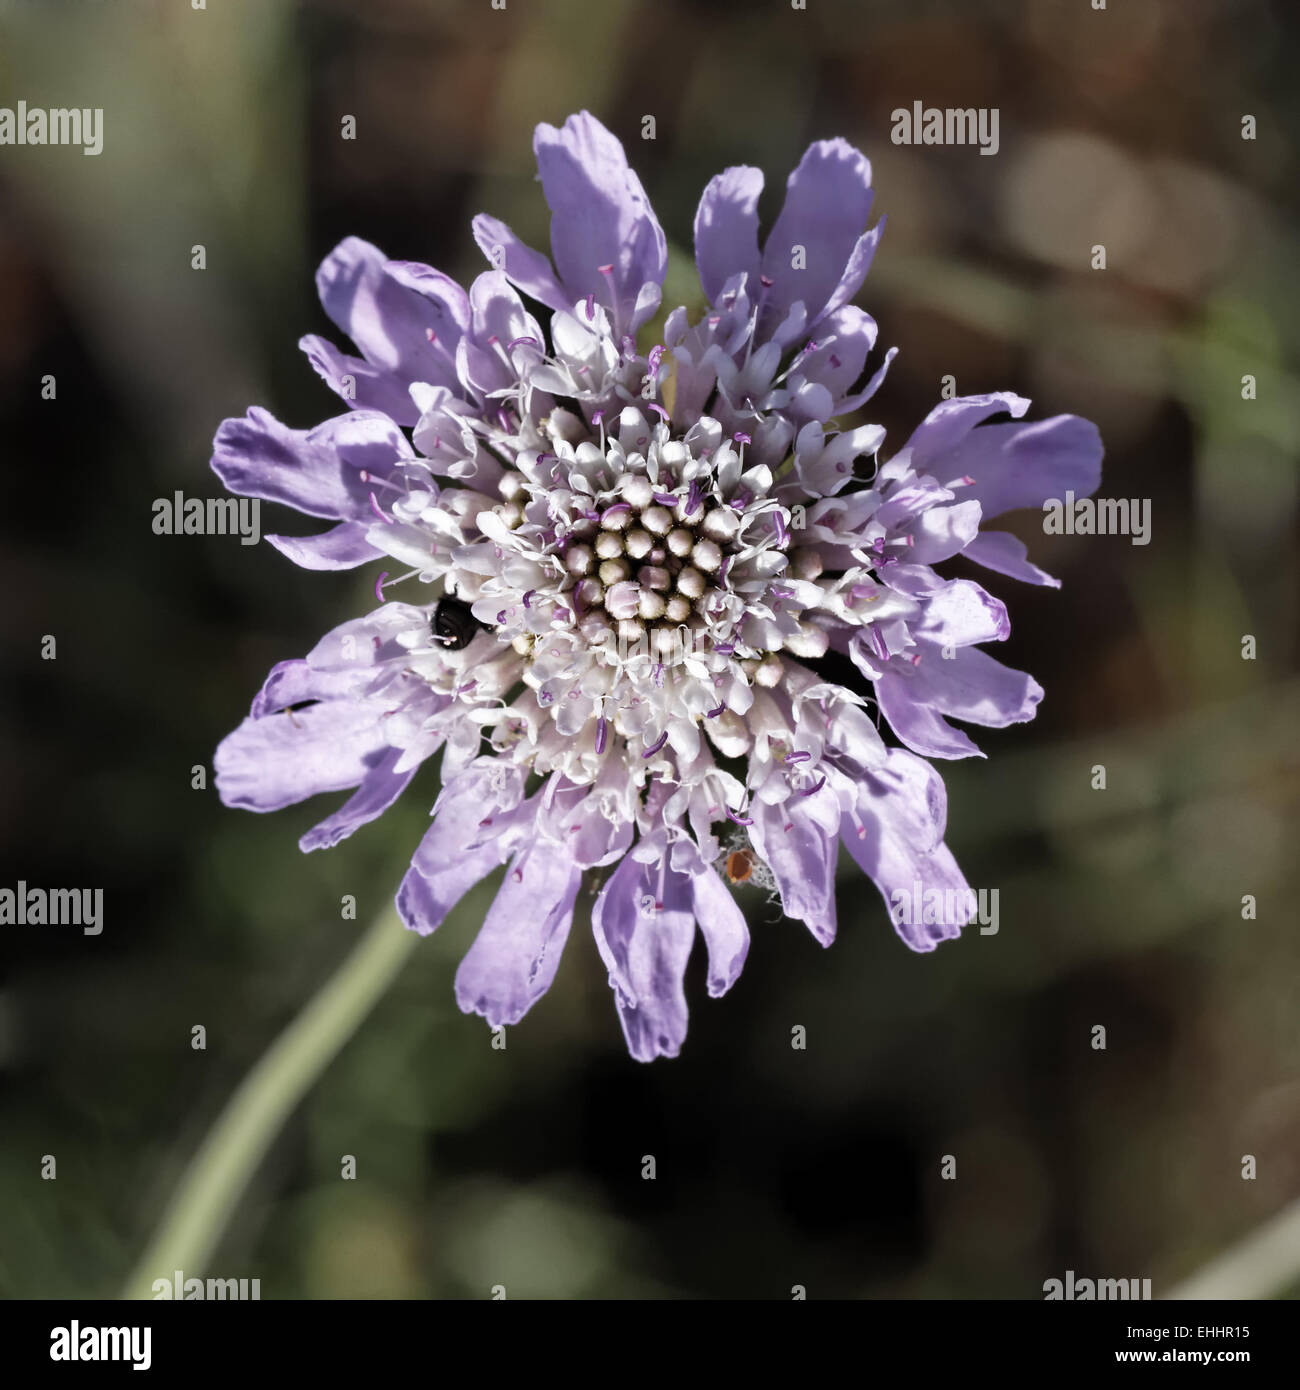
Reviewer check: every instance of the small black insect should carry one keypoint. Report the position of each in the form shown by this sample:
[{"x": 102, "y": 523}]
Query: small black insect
[{"x": 453, "y": 624}]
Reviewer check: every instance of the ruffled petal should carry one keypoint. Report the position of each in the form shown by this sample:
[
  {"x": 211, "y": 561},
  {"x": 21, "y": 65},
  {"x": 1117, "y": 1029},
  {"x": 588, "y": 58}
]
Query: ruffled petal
[
  {"x": 1025, "y": 465},
  {"x": 600, "y": 214},
  {"x": 895, "y": 833},
  {"x": 480, "y": 819},
  {"x": 939, "y": 533},
  {"x": 517, "y": 950},
  {"x": 827, "y": 203},
  {"x": 948, "y": 424},
  {"x": 855, "y": 271},
  {"x": 279, "y": 759},
  {"x": 317, "y": 471},
  {"x": 971, "y": 685},
  {"x": 427, "y": 896},
  {"x": 343, "y": 547},
  {"x": 387, "y": 319},
  {"x": 801, "y": 852},
  {"x": 923, "y": 729},
  {"x": 361, "y": 385},
  {"x": 726, "y": 230},
  {"x": 960, "y": 614},
  {"x": 845, "y": 339},
  {"x": 644, "y": 934},
  {"x": 380, "y": 787},
  {"x": 1004, "y": 553},
  {"x": 722, "y": 924},
  {"x": 523, "y": 266}
]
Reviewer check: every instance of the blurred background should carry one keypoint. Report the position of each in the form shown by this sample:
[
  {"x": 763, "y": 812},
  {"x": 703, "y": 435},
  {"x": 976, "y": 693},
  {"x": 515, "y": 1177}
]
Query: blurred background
[{"x": 775, "y": 1167}]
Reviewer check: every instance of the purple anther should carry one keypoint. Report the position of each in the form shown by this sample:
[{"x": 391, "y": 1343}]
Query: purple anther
[{"x": 656, "y": 745}]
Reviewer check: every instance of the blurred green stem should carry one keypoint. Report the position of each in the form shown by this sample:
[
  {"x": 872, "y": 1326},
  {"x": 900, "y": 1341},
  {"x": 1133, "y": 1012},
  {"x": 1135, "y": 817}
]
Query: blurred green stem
[
  {"x": 1264, "y": 1265},
  {"x": 221, "y": 1170}
]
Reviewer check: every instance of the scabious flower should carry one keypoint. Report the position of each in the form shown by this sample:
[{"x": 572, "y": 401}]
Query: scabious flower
[{"x": 634, "y": 574}]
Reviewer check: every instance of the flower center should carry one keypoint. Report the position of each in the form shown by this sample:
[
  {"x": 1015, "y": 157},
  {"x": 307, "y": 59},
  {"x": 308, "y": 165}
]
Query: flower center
[{"x": 652, "y": 559}]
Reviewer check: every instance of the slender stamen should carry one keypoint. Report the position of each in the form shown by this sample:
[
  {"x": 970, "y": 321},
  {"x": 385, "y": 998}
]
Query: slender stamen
[{"x": 367, "y": 476}]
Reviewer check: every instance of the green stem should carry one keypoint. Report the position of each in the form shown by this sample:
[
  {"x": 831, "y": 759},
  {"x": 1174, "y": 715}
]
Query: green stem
[
  {"x": 1263, "y": 1265},
  {"x": 255, "y": 1114}
]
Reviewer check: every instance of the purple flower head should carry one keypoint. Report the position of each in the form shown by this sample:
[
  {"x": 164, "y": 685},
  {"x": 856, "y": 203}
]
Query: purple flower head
[{"x": 626, "y": 572}]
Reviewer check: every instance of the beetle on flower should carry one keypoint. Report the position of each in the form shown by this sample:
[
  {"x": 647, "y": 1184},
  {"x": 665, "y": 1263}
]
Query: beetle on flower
[{"x": 649, "y": 553}]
